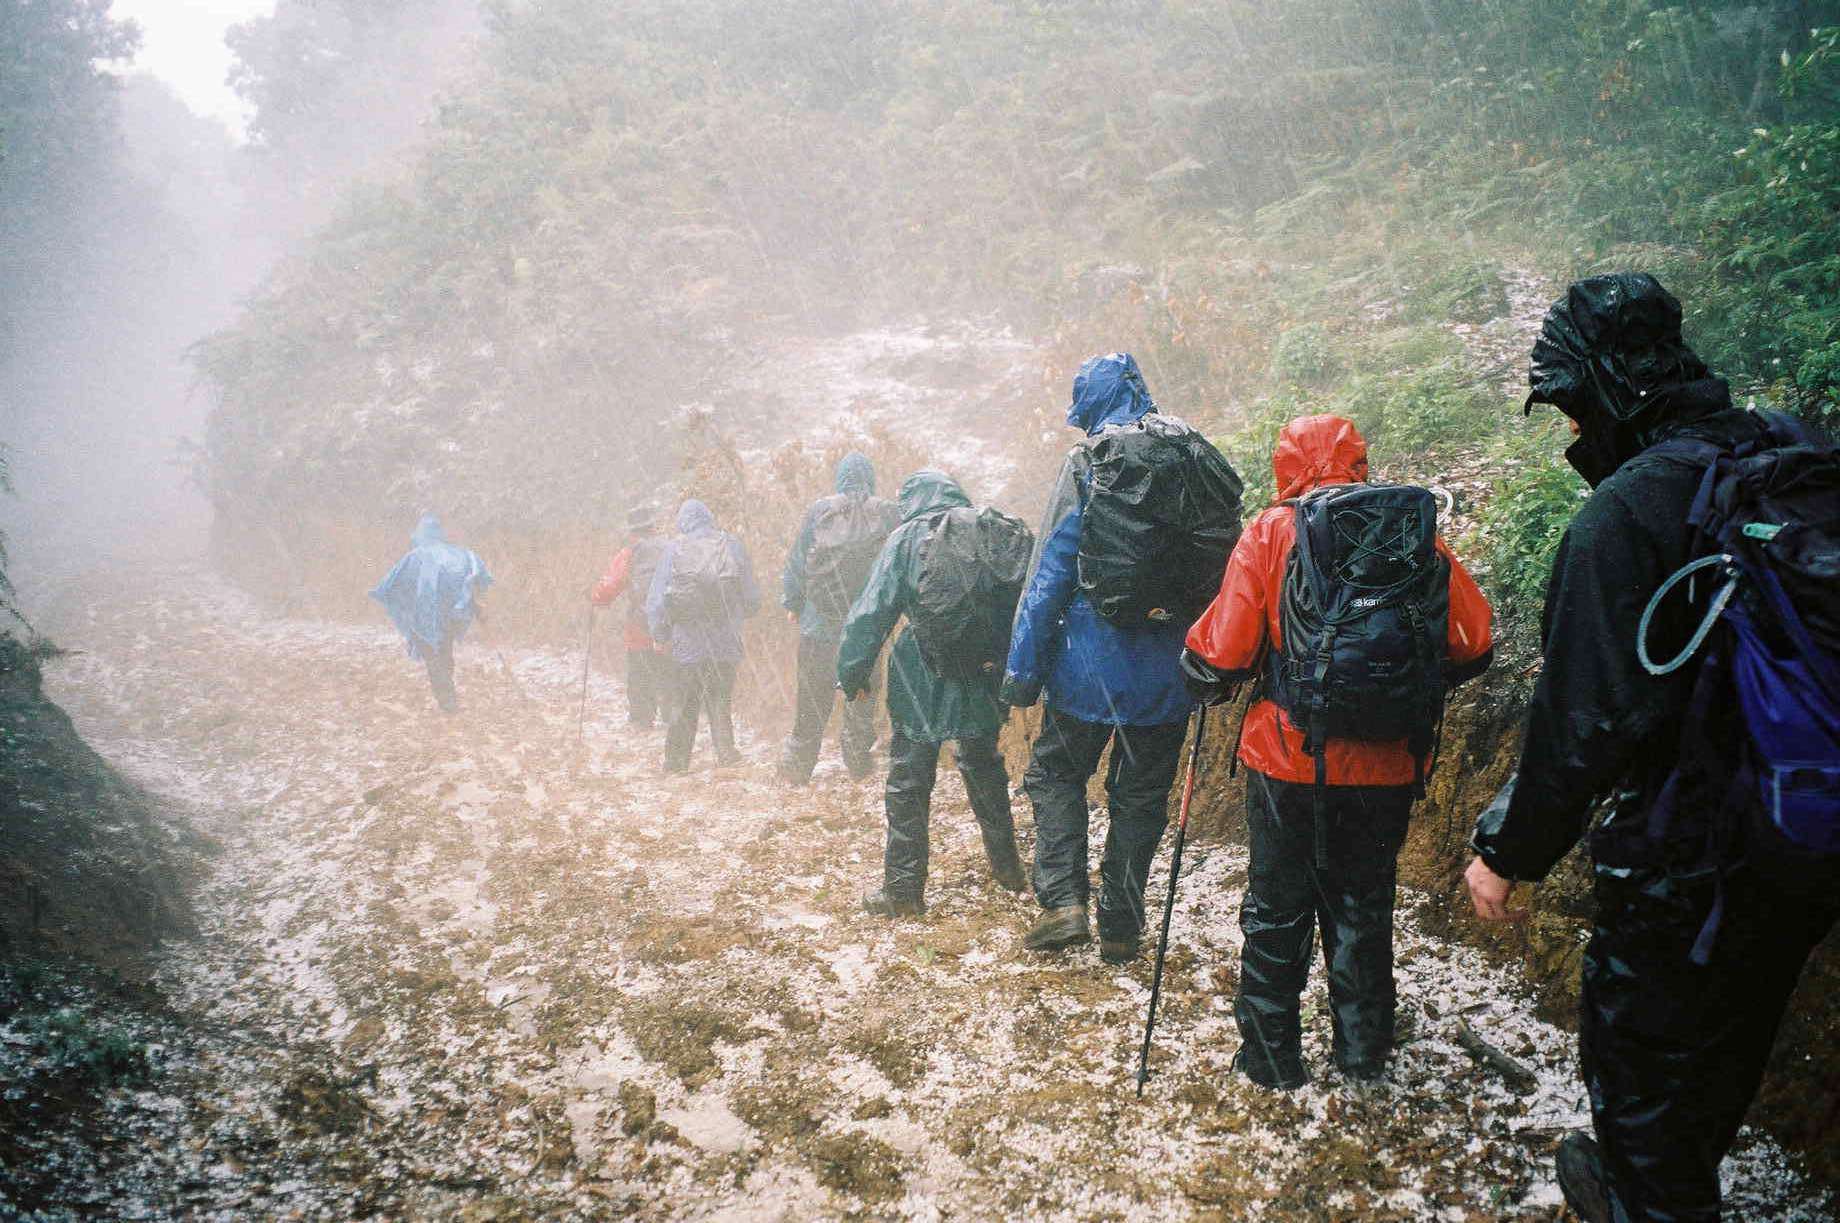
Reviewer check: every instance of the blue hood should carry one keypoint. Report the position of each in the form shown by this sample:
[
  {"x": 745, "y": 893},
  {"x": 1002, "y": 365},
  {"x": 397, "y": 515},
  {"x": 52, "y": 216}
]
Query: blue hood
[
  {"x": 856, "y": 474},
  {"x": 693, "y": 517},
  {"x": 1109, "y": 390},
  {"x": 427, "y": 531}
]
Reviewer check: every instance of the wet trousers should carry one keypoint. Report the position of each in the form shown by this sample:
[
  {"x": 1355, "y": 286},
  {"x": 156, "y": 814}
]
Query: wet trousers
[
  {"x": 1673, "y": 1052},
  {"x": 913, "y": 766},
  {"x": 1143, "y": 765},
  {"x": 440, "y": 663},
  {"x": 698, "y": 689},
  {"x": 648, "y": 678},
  {"x": 817, "y": 694},
  {"x": 1288, "y": 897}
]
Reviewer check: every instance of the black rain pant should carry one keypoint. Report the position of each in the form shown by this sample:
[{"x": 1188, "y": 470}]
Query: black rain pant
[
  {"x": 1288, "y": 897},
  {"x": 1143, "y": 766},
  {"x": 1673, "y": 1052},
  {"x": 701, "y": 688},
  {"x": 816, "y": 696},
  {"x": 440, "y": 662},
  {"x": 913, "y": 767},
  {"x": 648, "y": 678}
]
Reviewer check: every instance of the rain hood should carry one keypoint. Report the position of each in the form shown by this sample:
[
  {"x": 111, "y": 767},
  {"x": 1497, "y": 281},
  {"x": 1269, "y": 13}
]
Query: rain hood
[
  {"x": 927, "y": 491},
  {"x": 1316, "y": 450},
  {"x": 693, "y": 518},
  {"x": 856, "y": 475},
  {"x": 1109, "y": 390}
]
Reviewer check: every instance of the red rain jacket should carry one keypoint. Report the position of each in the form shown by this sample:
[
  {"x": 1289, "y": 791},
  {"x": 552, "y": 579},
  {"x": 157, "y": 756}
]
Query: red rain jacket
[
  {"x": 1242, "y": 622},
  {"x": 612, "y": 584}
]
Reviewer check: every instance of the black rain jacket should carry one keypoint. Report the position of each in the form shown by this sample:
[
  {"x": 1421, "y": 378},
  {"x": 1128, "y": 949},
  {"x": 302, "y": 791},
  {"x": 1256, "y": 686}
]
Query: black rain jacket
[{"x": 1600, "y": 727}]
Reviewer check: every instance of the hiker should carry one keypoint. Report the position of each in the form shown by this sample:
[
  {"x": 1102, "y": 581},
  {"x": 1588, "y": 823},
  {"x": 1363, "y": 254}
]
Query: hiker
[
  {"x": 1330, "y": 787},
  {"x": 828, "y": 566},
  {"x": 630, "y": 573},
  {"x": 703, "y": 589},
  {"x": 432, "y": 595},
  {"x": 1712, "y": 882},
  {"x": 942, "y": 674},
  {"x": 1112, "y": 586}
]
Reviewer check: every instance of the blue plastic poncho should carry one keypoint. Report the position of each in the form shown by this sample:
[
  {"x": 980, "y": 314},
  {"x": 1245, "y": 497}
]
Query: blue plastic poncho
[{"x": 431, "y": 592}]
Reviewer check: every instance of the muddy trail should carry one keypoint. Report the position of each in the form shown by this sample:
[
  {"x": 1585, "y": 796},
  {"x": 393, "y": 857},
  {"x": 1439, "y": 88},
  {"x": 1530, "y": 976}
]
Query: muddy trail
[{"x": 460, "y": 968}]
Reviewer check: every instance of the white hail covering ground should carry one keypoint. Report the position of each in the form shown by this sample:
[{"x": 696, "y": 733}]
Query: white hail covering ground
[
  {"x": 452, "y": 968},
  {"x": 458, "y": 968}
]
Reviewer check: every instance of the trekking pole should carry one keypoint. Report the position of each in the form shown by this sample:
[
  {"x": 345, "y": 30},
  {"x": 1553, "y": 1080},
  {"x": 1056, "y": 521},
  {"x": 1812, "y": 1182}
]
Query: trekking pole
[
  {"x": 1169, "y": 903},
  {"x": 587, "y": 654}
]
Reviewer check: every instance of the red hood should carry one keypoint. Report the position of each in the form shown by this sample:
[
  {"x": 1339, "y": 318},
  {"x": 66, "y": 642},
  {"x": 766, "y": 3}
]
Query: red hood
[{"x": 1317, "y": 450}]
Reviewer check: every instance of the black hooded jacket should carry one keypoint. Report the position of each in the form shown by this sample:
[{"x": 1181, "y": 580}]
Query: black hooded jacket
[{"x": 1599, "y": 725}]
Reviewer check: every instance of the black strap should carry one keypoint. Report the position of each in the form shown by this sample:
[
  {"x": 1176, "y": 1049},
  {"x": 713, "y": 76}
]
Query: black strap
[{"x": 1316, "y": 742}]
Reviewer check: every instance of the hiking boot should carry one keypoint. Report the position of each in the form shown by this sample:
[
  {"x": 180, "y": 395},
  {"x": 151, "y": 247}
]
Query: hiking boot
[
  {"x": 1058, "y": 928},
  {"x": 881, "y": 904},
  {"x": 1277, "y": 1073},
  {"x": 1581, "y": 1178},
  {"x": 1119, "y": 949}
]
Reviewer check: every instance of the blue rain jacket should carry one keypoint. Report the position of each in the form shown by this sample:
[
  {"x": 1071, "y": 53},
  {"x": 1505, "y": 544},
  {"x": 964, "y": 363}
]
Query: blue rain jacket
[
  {"x": 855, "y": 478},
  {"x": 712, "y": 638},
  {"x": 432, "y": 591},
  {"x": 1091, "y": 669}
]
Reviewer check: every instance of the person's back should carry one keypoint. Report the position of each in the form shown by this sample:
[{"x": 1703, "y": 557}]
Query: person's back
[
  {"x": 1104, "y": 684},
  {"x": 703, "y": 590},
  {"x": 1327, "y": 813},
  {"x": 431, "y": 597},
  {"x": 629, "y": 576},
  {"x": 925, "y": 707},
  {"x": 826, "y": 569},
  {"x": 1704, "y": 914}
]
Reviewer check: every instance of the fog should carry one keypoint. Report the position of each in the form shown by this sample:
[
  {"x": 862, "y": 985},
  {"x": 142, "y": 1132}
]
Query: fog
[
  {"x": 151, "y": 238},
  {"x": 309, "y": 910}
]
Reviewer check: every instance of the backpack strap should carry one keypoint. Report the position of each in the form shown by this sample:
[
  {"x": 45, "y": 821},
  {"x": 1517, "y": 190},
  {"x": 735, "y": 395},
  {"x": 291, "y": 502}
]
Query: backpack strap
[{"x": 1316, "y": 743}]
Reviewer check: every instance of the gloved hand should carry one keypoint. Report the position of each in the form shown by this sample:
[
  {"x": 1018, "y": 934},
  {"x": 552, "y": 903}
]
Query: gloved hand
[
  {"x": 1204, "y": 682},
  {"x": 1016, "y": 694}
]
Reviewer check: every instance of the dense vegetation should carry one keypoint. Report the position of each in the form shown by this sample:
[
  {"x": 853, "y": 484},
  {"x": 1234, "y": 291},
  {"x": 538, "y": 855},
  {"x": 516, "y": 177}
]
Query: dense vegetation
[{"x": 1278, "y": 206}]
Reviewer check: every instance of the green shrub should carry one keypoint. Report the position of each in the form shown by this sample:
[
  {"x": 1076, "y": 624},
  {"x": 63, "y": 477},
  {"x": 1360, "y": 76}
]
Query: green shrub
[
  {"x": 105, "y": 1056},
  {"x": 1436, "y": 406},
  {"x": 1305, "y": 355},
  {"x": 1466, "y": 290},
  {"x": 1250, "y": 443},
  {"x": 1519, "y": 527}
]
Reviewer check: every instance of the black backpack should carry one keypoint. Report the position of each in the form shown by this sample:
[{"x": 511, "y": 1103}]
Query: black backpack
[
  {"x": 847, "y": 534},
  {"x": 705, "y": 581},
  {"x": 1160, "y": 519},
  {"x": 1365, "y": 611},
  {"x": 973, "y": 563}
]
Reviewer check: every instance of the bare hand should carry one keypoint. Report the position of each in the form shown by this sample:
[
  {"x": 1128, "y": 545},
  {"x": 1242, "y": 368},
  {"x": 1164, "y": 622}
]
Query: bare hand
[
  {"x": 792, "y": 616},
  {"x": 1489, "y": 892}
]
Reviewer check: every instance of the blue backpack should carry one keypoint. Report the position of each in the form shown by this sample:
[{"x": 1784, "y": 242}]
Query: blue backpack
[{"x": 1769, "y": 511}]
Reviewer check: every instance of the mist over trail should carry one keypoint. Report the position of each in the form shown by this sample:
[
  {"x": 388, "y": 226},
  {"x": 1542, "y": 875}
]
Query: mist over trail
[{"x": 531, "y": 263}]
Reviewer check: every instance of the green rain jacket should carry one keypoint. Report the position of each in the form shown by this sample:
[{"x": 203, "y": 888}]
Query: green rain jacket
[{"x": 921, "y": 704}]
